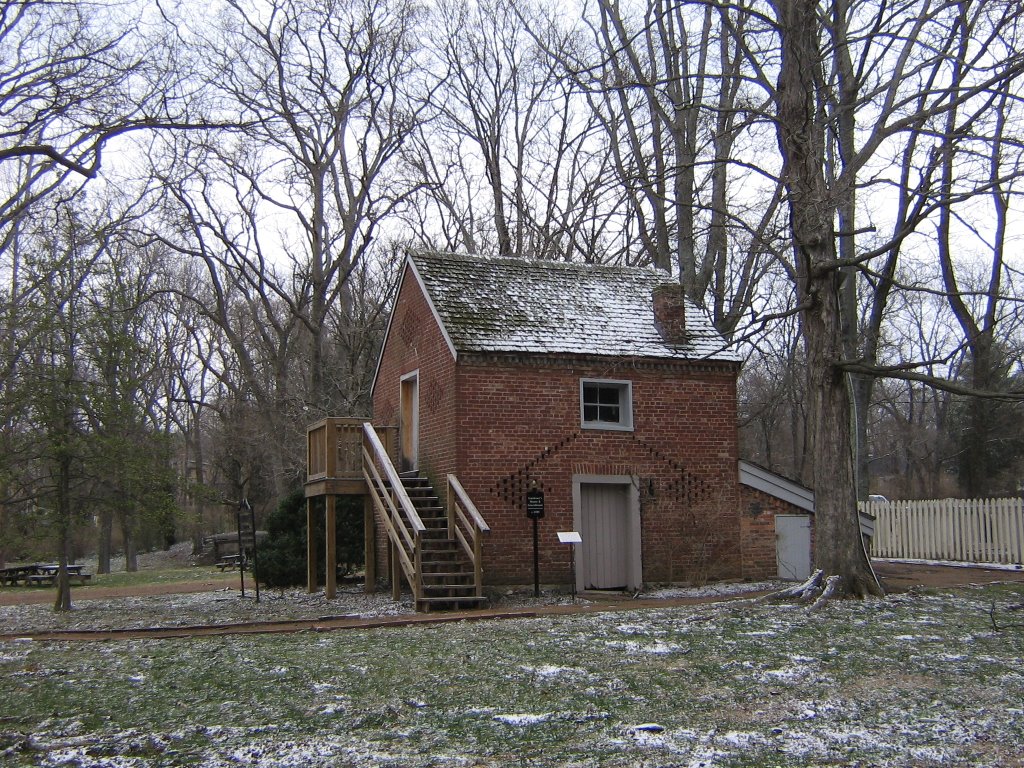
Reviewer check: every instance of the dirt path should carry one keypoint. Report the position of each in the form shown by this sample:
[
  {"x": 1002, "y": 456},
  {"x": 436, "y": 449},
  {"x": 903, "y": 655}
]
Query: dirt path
[
  {"x": 37, "y": 595},
  {"x": 330, "y": 623},
  {"x": 897, "y": 577}
]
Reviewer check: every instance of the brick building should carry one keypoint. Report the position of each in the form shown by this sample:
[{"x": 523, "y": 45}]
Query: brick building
[{"x": 599, "y": 387}]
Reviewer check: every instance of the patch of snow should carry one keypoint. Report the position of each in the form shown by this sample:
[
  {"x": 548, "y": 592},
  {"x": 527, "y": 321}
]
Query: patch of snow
[
  {"x": 551, "y": 670},
  {"x": 656, "y": 648},
  {"x": 522, "y": 719},
  {"x": 721, "y": 589}
]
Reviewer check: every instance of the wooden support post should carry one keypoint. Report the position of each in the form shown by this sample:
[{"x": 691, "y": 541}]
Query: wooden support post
[
  {"x": 370, "y": 543},
  {"x": 311, "y": 553},
  {"x": 396, "y": 574},
  {"x": 330, "y": 533}
]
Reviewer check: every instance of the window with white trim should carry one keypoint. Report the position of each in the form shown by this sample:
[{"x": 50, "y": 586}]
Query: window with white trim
[{"x": 606, "y": 404}]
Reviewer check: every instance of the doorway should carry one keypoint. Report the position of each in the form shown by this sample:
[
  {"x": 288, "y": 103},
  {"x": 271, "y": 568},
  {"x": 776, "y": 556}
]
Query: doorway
[
  {"x": 793, "y": 546},
  {"x": 409, "y": 423},
  {"x": 606, "y": 512}
]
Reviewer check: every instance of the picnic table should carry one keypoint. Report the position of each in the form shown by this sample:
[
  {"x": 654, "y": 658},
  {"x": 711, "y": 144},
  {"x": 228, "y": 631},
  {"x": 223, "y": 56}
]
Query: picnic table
[
  {"x": 40, "y": 574},
  {"x": 229, "y": 561}
]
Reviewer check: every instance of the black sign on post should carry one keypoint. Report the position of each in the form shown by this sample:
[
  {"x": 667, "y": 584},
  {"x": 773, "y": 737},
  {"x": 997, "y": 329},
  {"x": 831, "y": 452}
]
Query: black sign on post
[
  {"x": 535, "y": 505},
  {"x": 535, "y": 511}
]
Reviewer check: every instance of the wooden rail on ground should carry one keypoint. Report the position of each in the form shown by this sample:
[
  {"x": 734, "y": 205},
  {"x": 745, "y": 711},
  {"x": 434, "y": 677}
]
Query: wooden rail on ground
[
  {"x": 467, "y": 526},
  {"x": 396, "y": 512}
]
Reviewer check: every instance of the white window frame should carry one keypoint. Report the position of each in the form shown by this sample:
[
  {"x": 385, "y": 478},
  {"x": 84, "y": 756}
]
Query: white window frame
[{"x": 625, "y": 388}]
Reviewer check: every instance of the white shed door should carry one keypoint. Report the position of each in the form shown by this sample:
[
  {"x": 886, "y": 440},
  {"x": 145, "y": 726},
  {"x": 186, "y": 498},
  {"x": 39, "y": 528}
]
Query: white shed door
[
  {"x": 604, "y": 519},
  {"x": 793, "y": 546}
]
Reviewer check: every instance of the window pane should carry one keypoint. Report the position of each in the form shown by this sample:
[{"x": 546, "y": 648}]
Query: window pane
[{"x": 606, "y": 403}]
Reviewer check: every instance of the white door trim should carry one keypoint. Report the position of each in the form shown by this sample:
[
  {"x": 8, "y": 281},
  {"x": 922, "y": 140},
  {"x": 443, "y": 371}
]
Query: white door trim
[{"x": 634, "y": 555}]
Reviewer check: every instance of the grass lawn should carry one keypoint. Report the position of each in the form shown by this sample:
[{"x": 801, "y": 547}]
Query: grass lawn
[
  {"x": 157, "y": 576},
  {"x": 907, "y": 681}
]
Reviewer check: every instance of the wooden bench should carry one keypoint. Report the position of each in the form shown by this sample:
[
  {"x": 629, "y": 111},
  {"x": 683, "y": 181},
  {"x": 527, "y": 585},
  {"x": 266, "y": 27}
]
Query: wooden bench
[
  {"x": 49, "y": 577},
  {"x": 229, "y": 561}
]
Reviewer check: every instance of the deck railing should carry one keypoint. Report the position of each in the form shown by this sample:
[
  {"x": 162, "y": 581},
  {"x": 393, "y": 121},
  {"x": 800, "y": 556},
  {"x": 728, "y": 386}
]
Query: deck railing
[
  {"x": 394, "y": 509},
  {"x": 333, "y": 448},
  {"x": 467, "y": 526}
]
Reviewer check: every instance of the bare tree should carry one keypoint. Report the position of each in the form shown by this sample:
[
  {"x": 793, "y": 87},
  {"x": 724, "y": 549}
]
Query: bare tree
[
  {"x": 281, "y": 212},
  {"x": 74, "y": 77},
  {"x": 511, "y": 159},
  {"x": 669, "y": 85},
  {"x": 918, "y": 46}
]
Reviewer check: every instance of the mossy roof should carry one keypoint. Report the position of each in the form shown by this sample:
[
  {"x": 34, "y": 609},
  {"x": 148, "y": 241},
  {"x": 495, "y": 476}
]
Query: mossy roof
[{"x": 516, "y": 306}]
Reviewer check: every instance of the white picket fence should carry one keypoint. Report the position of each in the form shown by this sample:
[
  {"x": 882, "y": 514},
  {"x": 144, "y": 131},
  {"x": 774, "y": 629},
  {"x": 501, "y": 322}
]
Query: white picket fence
[{"x": 965, "y": 530}]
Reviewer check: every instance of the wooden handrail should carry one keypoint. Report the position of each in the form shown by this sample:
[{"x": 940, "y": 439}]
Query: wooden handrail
[
  {"x": 467, "y": 504},
  {"x": 394, "y": 508},
  {"x": 463, "y": 514},
  {"x": 381, "y": 457}
]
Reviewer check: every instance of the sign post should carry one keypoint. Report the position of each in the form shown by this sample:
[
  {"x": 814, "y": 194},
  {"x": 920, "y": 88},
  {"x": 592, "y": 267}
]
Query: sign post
[
  {"x": 535, "y": 511},
  {"x": 572, "y": 538},
  {"x": 247, "y": 540}
]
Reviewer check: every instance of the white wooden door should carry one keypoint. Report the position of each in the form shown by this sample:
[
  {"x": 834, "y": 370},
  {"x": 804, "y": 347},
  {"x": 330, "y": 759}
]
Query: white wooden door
[
  {"x": 604, "y": 519},
  {"x": 793, "y": 546}
]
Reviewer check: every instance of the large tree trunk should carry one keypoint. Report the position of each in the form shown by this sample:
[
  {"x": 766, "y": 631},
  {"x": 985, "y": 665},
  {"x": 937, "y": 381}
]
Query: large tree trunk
[
  {"x": 104, "y": 545},
  {"x": 801, "y": 133},
  {"x": 62, "y": 600},
  {"x": 131, "y": 560}
]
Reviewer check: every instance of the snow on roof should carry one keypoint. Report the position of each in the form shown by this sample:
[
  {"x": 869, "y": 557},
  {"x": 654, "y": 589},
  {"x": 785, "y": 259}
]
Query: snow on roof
[{"x": 515, "y": 305}]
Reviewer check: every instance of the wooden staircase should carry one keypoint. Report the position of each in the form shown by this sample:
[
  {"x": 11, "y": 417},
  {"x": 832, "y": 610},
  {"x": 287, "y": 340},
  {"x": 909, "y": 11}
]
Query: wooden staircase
[
  {"x": 447, "y": 575},
  {"x": 438, "y": 550}
]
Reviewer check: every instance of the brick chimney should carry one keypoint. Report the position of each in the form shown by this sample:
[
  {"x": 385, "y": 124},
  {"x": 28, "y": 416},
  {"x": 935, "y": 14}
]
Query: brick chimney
[{"x": 670, "y": 312}]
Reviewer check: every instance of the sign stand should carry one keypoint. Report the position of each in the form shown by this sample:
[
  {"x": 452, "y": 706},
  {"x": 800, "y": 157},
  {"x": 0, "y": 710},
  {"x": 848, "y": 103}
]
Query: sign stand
[
  {"x": 247, "y": 540},
  {"x": 572, "y": 538},
  {"x": 535, "y": 511}
]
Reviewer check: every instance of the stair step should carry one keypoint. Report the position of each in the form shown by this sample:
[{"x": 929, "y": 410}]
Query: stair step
[
  {"x": 465, "y": 601},
  {"x": 437, "y": 564},
  {"x": 447, "y": 577},
  {"x": 462, "y": 585},
  {"x": 440, "y": 544},
  {"x": 440, "y": 556},
  {"x": 449, "y": 592}
]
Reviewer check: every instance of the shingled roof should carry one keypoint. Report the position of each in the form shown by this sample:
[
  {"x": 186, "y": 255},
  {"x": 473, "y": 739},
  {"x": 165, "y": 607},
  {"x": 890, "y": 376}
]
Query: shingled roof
[{"x": 514, "y": 305}]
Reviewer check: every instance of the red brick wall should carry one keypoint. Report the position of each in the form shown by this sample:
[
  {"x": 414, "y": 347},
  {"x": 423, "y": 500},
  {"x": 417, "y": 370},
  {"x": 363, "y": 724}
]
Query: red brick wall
[
  {"x": 519, "y": 422},
  {"x": 501, "y": 422},
  {"x": 415, "y": 342},
  {"x": 757, "y": 531}
]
